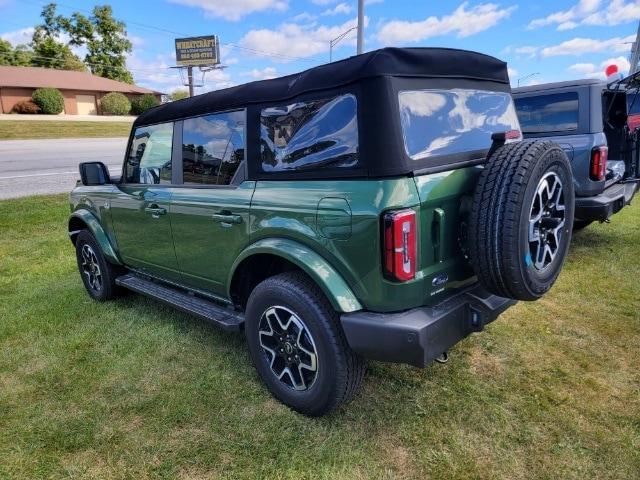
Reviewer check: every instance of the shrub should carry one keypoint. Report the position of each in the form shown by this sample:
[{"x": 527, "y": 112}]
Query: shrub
[
  {"x": 142, "y": 103},
  {"x": 115, "y": 103},
  {"x": 178, "y": 95},
  {"x": 50, "y": 100},
  {"x": 26, "y": 106}
]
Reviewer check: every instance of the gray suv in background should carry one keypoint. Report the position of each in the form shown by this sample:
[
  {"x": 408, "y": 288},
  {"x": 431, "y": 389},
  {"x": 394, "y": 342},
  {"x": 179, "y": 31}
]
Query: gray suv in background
[{"x": 588, "y": 119}]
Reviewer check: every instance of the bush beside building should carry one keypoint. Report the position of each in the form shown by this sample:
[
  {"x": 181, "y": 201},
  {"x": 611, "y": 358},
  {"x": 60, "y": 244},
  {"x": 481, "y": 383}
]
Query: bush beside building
[
  {"x": 50, "y": 100},
  {"x": 115, "y": 103}
]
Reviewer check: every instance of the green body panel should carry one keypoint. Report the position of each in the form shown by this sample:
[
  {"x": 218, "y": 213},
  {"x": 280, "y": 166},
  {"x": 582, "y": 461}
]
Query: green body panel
[
  {"x": 325, "y": 276},
  {"x": 445, "y": 205},
  {"x": 330, "y": 229},
  {"x": 144, "y": 239},
  {"x": 88, "y": 204},
  {"x": 206, "y": 245}
]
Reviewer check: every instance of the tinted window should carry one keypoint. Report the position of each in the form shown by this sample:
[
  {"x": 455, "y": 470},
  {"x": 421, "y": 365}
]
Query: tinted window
[
  {"x": 212, "y": 148},
  {"x": 310, "y": 135},
  {"x": 548, "y": 113},
  {"x": 149, "y": 159},
  {"x": 633, "y": 102},
  {"x": 445, "y": 122}
]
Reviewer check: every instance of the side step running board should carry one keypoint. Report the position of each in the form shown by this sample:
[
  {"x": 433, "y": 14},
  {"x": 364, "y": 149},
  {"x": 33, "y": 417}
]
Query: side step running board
[{"x": 225, "y": 318}]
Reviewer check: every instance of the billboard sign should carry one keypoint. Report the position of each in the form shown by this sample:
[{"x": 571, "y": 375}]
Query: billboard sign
[{"x": 195, "y": 51}]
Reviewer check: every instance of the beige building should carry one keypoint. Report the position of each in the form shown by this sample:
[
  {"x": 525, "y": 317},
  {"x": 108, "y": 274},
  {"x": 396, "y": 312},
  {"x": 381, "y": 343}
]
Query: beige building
[{"x": 82, "y": 91}]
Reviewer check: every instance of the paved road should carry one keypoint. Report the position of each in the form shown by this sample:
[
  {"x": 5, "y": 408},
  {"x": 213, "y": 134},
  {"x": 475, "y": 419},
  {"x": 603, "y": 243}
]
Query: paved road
[{"x": 29, "y": 167}]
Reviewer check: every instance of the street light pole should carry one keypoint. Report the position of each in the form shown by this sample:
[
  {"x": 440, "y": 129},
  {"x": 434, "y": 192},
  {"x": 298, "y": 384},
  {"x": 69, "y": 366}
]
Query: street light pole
[
  {"x": 335, "y": 41},
  {"x": 360, "y": 26},
  {"x": 527, "y": 76}
]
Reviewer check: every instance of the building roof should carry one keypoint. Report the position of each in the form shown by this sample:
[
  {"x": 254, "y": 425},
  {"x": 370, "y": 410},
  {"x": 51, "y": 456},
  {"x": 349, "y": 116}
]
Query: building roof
[
  {"x": 35, "y": 77},
  {"x": 434, "y": 64}
]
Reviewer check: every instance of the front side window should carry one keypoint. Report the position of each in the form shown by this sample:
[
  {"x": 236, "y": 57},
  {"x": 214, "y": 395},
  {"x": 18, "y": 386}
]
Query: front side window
[
  {"x": 149, "y": 159},
  {"x": 310, "y": 135},
  {"x": 212, "y": 148},
  {"x": 445, "y": 122},
  {"x": 557, "y": 112}
]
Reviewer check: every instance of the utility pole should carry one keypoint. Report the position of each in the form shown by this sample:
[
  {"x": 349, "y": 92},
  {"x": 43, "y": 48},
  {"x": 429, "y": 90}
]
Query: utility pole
[
  {"x": 635, "y": 53},
  {"x": 190, "y": 77},
  {"x": 360, "y": 26}
]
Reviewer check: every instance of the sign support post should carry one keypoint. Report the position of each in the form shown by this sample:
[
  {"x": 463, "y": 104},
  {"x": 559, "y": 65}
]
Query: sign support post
[
  {"x": 190, "y": 79},
  {"x": 202, "y": 52}
]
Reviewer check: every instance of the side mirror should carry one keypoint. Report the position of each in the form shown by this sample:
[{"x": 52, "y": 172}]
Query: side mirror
[{"x": 94, "y": 173}]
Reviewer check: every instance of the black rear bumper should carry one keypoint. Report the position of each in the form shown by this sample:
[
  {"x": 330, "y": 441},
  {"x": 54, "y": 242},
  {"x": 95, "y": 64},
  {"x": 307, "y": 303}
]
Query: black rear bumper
[
  {"x": 420, "y": 335},
  {"x": 611, "y": 201}
]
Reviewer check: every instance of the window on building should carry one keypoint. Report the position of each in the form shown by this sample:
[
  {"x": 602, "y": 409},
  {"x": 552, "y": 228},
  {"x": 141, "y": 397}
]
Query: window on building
[
  {"x": 149, "y": 159},
  {"x": 213, "y": 147},
  {"x": 310, "y": 135},
  {"x": 556, "y": 112}
]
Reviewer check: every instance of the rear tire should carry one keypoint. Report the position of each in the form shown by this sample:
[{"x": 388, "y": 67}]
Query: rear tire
[
  {"x": 290, "y": 324},
  {"x": 522, "y": 218},
  {"x": 98, "y": 275}
]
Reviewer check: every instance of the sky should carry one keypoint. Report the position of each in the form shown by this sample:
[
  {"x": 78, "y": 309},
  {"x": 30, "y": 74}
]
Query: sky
[{"x": 542, "y": 41}]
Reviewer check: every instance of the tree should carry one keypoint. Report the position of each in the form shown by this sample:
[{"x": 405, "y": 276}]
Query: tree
[
  {"x": 6, "y": 53},
  {"x": 48, "y": 51},
  {"x": 20, "y": 56},
  {"x": 106, "y": 41},
  {"x": 178, "y": 95}
]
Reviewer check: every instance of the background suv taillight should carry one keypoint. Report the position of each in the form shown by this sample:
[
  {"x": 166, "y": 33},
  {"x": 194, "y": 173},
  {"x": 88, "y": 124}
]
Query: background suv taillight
[
  {"x": 598, "y": 168},
  {"x": 399, "y": 248}
]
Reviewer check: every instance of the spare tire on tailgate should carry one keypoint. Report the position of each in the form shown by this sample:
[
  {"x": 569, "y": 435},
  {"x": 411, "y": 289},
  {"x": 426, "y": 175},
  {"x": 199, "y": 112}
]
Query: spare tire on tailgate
[{"x": 521, "y": 221}]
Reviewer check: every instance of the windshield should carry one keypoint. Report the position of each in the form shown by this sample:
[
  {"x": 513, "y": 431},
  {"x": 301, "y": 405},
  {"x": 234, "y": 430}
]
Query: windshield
[{"x": 445, "y": 122}]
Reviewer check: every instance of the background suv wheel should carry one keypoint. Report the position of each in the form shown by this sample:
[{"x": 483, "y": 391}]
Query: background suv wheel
[{"x": 297, "y": 345}]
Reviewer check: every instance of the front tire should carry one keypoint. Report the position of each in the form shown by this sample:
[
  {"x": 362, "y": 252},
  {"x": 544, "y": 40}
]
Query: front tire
[
  {"x": 297, "y": 345},
  {"x": 98, "y": 275}
]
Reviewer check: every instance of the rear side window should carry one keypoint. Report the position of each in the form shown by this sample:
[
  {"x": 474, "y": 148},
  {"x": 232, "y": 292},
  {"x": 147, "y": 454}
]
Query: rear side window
[
  {"x": 310, "y": 135},
  {"x": 556, "y": 112},
  {"x": 446, "y": 122},
  {"x": 633, "y": 102},
  {"x": 212, "y": 148},
  {"x": 149, "y": 159}
]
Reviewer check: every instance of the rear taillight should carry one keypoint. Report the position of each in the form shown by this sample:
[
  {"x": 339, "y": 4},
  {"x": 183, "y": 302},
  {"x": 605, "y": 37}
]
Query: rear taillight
[
  {"x": 598, "y": 169},
  {"x": 400, "y": 245}
]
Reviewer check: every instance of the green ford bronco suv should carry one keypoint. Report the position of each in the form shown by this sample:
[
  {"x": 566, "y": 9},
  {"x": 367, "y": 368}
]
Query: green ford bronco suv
[{"x": 379, "y": 207}]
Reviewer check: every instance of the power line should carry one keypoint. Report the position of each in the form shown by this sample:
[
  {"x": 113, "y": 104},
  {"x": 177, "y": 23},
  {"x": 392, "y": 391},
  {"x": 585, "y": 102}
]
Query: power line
[
  {"x": 103, "y": 65},
  {"x": 182, "y": 34}
]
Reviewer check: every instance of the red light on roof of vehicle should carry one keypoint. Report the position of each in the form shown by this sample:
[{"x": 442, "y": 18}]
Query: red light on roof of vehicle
[
  {"x": 512, "y": 135},
  {"x": 611, "y": 70}
]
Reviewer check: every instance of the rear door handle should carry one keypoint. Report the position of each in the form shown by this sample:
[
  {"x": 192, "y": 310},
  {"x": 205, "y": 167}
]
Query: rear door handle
[
  {"x": 228, "y": 218},
  {"x": 155, "y": 211}
]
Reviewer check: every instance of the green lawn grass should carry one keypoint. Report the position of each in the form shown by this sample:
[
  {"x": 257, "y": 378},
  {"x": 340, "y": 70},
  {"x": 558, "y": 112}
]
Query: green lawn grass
[
  {"x": 31, "y": 129},
  {"x": 131, "y": 389}
]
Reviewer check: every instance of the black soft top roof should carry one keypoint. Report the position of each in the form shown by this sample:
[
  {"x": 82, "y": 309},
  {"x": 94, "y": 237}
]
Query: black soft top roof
[{"x": 442, "y": 63}]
